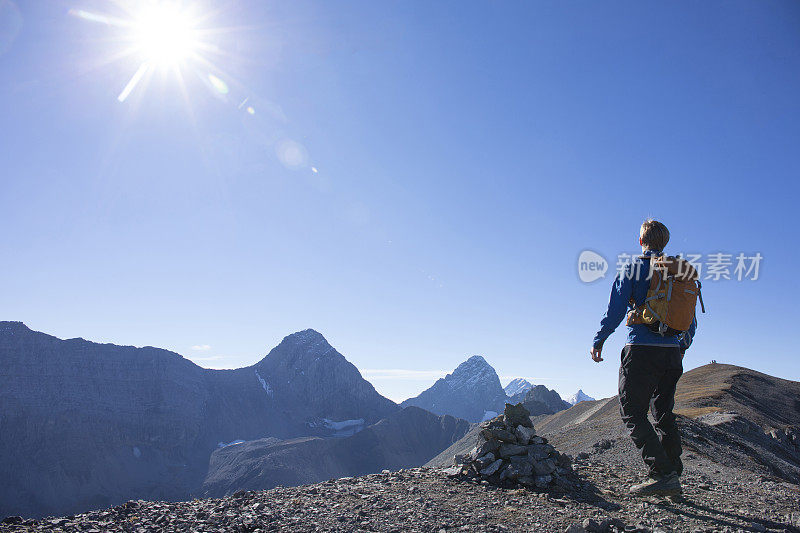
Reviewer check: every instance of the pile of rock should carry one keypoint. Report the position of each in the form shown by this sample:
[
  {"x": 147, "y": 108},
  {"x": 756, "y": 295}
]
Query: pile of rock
[{"x": 509, "y": 453}]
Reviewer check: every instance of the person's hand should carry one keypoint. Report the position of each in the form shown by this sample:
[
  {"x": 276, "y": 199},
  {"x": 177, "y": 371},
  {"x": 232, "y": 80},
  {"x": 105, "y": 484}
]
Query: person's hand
[{"x": 596, "y": 357}]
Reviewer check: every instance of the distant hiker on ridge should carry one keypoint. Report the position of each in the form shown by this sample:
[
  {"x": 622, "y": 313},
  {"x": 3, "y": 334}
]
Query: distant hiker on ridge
[{"x": 658, "y": 293}]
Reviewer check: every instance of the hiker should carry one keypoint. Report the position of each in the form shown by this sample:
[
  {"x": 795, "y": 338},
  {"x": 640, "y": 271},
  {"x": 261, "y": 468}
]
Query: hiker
[{"x": 652, "y": 359}]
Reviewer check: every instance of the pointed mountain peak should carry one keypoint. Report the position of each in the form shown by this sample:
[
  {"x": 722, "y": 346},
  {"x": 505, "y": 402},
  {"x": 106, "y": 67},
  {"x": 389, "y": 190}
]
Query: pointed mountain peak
[
  {"x": 476, "y": 363},
  {"x": 309, "y": 340},
  {"x": 579, "y": 396},
  {"x": 301, "y": 348},
  {"x": 305, "y": 336},
  {"x": 473, "y": 370},
  {"x": 472, "y": 392},
  {"x": 518, "y": 386}
]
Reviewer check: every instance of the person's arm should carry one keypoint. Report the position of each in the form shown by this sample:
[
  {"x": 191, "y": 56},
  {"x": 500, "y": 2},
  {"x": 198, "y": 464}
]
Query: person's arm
[
  {"x": 688, "y": 336},
  {"x": 621, "y": 293}
]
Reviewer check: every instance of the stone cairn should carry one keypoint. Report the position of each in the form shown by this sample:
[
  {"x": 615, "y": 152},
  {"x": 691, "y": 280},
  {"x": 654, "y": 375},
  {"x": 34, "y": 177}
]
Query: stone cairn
[{"x": 509, "y": 453}]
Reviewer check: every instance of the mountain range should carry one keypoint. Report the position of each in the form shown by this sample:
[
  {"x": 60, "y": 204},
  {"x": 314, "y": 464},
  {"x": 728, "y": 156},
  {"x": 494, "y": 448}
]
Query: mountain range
[
  {"x": 473, "y": 392},
  {"x": 86, "y": 425}
]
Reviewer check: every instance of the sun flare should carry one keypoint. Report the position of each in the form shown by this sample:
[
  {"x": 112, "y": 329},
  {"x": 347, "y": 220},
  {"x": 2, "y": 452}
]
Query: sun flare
[
  {"x": 161, "y": 35},
  {"x": 164, "y": 35}
]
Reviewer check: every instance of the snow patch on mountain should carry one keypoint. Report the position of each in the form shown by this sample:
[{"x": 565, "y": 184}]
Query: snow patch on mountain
[
  {"x": 342, "y": 424},
  {"x": 341, "y": 428},
  {"x": 221, "y": 444},
  {"x": 264, "y": 384}
]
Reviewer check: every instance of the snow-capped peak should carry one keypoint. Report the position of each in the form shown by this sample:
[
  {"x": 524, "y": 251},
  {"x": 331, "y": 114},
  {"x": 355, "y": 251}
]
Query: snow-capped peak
[
  {"x": 578, "y": 397},
  {"x": 472, "y": 371},
  {"x": 518, "y": 386}
]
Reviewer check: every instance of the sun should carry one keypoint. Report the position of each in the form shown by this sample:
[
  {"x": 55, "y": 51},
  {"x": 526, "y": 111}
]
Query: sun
[
  {"x": 164, "y": 35},
  {"x": 159, "y": 35}
]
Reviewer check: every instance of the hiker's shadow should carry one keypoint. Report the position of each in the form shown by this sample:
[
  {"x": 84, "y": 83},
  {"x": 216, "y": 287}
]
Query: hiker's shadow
[
  {"x": 718, "y": 517},
  {"x": 584, "y": 490}
]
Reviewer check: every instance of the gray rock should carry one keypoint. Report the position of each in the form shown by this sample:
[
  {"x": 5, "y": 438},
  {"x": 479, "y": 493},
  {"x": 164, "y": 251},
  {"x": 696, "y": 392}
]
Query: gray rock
[
  {"x": 508, "y": 450},
  {"x": 522, "y": 467},
  {"x": 524, "y": 434},
  {"x": 485, "y": 446},
  {"x": 539, "y": 452},
  {"x": 575, "y": 528},
  {"x": 461, "y": 459},
  {"x": 485, "y": 460},
  {"x": 453, "y": 471},
  {"x": 517, "y": 415},
  {"x": 496, "y": 422},
  {"x": 591, "y": 525},
  {"x": 499, "y": 434},
  {"x": 492, "y": 468},
  {"x": 508, "y": 472},
  {"x": 544, "y": 467}
]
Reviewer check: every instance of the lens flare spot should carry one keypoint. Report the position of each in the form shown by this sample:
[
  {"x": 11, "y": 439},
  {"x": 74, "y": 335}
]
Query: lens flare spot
[
  {"x": 217, "y": 84},
  {"x": 291, "y": 154},
  {"x": 314, "y": 170},
  {"x": 251, "y": 110}
]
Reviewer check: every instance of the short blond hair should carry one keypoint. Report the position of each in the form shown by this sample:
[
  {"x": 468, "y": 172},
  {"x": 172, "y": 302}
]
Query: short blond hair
[{"x": 654, "y": 235}]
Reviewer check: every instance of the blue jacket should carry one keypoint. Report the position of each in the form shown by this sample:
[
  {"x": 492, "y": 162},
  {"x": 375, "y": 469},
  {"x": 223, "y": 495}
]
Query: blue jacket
[{"x": 627, "y": 285}]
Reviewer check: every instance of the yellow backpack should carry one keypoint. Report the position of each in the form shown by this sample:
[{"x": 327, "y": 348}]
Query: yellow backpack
[{"x": 669, "y": 306}]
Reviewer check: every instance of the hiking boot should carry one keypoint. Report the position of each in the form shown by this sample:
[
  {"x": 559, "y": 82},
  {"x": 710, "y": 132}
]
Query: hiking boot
[{"x": 666, "y": 485}]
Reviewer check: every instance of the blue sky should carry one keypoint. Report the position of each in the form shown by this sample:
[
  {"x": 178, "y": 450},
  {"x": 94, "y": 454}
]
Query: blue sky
[{"x": 465, "y": 154}]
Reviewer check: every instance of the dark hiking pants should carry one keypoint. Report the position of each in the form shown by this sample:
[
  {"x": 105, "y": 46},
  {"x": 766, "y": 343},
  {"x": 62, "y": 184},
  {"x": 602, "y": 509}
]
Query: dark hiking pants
[{"x": 648, "y": 376}]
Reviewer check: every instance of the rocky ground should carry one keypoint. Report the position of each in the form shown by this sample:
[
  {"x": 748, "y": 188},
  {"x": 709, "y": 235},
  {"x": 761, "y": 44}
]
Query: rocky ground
[{"x": 716, "y": 498}]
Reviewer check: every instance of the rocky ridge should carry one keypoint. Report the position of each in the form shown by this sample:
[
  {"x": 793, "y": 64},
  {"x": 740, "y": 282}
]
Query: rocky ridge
[{"x": 715, "y": 499}]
